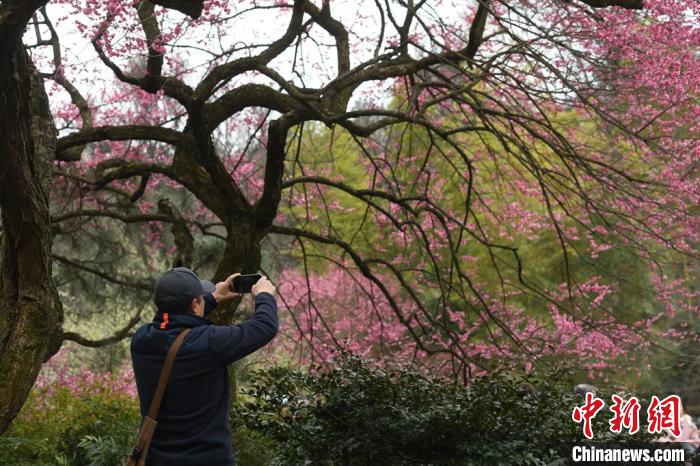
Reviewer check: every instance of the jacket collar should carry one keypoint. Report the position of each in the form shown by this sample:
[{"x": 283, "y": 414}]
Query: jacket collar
[{"x": 168, "y": 320}]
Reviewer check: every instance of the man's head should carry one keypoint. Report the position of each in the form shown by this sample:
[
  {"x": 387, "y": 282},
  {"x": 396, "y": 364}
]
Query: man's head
[{"x": 180, "y": 290}]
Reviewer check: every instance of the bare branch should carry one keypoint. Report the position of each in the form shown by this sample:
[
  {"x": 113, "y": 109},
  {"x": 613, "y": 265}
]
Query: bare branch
[
  {"x": 118, "y": 133},
  {"x": 364, "y": 268},
  {"x": 154, "y": 63},
  {"x": 248, "y": 95},
  {"x": 227, "y": 71},
  {"x": 628, "y": 4},
  {"x": 119, "y": 335},
  {"x": 192, "y": 8},
  {"x": 14, "y": 16},
  {"x": 476, "y": 32},
  {"x": 59, "y": 77},
  {"x": 136, "y": 218},
  {"x": 105, "y": 276},
  {"x": 184, "y": 241},
  {"x": 171, "y": 86},
  {"x": 336, "y": 29},
  {"x": 266, "y": 207}
]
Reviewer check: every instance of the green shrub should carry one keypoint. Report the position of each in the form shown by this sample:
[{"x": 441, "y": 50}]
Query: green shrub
[
  {"x": 353, "y": 413},
  {"x": 63, "y": 427},
  {"x": 90, "y": 420},
  {"x": 356, "y": 413},
  {"x": 102, "y": 450},
  {"x": 252, "y": 448}
]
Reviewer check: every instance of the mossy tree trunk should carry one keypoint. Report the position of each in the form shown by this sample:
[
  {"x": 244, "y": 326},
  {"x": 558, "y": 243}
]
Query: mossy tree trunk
[{"x": 30, "y": 310}]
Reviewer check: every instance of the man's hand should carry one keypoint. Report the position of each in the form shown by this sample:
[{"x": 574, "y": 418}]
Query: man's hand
[
  {"x": 223, "y": 291},
  {"x": 263, "y": 286}
]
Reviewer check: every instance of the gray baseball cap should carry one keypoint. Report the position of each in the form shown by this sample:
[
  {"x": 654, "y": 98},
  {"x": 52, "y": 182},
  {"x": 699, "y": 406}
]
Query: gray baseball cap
[{"x": 177, "y": 287}]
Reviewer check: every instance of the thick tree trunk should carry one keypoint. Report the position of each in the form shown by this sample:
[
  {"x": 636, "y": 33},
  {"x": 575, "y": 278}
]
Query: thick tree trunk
[
  {"x": 30, "y": 310},
  {"x": 242, "y": 254}
]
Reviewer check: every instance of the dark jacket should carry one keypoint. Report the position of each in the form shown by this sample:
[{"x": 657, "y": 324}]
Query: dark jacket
[{"x": 193, "y": 421}]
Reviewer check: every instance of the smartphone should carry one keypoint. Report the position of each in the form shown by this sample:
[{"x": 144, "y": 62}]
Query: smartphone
[{"x": 244, "y": 283}]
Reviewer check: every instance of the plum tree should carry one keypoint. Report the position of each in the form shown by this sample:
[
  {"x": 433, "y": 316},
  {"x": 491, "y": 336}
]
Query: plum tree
[{"x": 470, "y": 130}]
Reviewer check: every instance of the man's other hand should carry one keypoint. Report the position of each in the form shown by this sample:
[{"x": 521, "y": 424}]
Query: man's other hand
[
  {"x": 263, "y": 286},
  {"x": 223, "y": 291}
]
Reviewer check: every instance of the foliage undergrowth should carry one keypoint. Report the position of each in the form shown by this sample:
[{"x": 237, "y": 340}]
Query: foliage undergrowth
[
  {"x": 350, "y": 412},
  {"x": 88, "y": 424},
  {"x": 357, "y": 413}
]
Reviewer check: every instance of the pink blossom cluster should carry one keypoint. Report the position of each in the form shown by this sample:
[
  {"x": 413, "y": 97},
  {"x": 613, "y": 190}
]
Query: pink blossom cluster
[
  {"x": 342, "y": 309},
  {"x": 59, "y": 373}
]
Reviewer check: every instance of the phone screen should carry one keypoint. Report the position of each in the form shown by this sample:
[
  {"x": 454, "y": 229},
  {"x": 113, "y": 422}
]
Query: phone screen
[{"x": 244, "y": 283}]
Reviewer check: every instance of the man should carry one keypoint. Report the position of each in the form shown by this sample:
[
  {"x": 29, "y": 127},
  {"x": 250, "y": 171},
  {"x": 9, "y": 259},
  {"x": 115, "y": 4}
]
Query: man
[{"x": 193, "y": 421}]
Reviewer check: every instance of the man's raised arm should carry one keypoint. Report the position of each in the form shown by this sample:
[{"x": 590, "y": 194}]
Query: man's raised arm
[{"x": 232, "y": 342}]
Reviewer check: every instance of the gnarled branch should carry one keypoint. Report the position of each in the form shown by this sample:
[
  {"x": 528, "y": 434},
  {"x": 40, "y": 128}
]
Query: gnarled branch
[
  {"x": 119, "y": 133},
  {"x": 118, "y": 335}
]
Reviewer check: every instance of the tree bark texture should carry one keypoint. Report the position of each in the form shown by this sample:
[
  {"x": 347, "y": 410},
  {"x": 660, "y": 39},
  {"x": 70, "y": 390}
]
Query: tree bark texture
[{"x": 30, "y": 310}]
